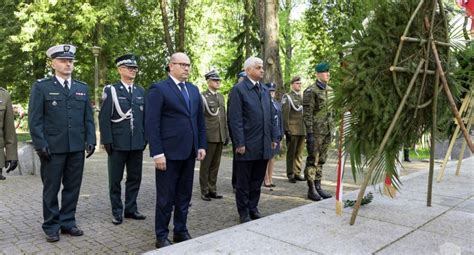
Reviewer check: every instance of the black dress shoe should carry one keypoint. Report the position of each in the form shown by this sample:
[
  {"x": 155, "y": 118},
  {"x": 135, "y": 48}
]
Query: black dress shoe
[
  {"x": 74, "y": 231},
  {"x": 292, "y": 179},
  {"x": 135, "y": 216},
  {"x": 51, "y": 238},
  {"x": 255, "y": 215},
  {"x": 244, "y": 218},
  {"x": 117, "y": 220},
  {"x": 181, "y": 237},
  {"x": 300, "y": 178},
  {"x": 160, "y": 243},
  {"x": 214, "y": 195},
  {"x": 206, "y": 197}
]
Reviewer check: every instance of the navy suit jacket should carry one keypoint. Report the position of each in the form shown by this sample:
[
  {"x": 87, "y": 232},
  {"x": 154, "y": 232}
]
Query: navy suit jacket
[
  {"x": 170, "y": 127},
  {"x": 252, "y": 121}
]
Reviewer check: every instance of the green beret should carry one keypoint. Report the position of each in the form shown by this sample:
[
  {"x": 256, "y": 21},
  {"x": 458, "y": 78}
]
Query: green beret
[{"x": 322, "y": 67}]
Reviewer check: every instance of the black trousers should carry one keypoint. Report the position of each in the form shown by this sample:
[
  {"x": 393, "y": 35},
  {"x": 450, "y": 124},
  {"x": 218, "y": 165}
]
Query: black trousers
[
  {"x": 249, "y": 177},
  {"x": 174, "y": 187},
  {"x": 117, "y": 161},
  {"x": 65, "y": 168}
]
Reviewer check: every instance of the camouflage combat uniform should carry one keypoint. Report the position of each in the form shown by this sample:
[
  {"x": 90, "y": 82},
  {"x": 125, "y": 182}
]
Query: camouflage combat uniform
[{"x": 318, "y": 121}]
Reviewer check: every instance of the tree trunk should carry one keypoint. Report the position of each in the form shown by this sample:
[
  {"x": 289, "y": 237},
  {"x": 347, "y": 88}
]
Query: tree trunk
[
  {"x": 248, "y": 27},
  {"x": 260, "y": 13},
  {"x": 271, "y": 46},
  {"x": 180, "y": 42},
  {"x": 166, "y": 26},
  {"x": 287, "y": 42}
]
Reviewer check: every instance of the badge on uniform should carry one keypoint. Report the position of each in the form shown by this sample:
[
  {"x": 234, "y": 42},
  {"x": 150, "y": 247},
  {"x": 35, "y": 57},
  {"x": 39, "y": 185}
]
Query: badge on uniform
[{"x": 54, "y": 103}]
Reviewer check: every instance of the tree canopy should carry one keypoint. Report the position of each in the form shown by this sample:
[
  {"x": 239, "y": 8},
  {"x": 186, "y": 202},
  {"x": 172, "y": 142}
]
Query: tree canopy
[{"x": 216, "y": 34}]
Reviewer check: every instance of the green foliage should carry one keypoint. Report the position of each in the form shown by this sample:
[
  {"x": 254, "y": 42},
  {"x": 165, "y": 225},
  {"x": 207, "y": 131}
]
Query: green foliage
[
  {"x": 365, "y": 200},
  {"x": 329, "y": 25},
  {"x": 23, "y": 137},
  {"x": 371, "y": 93}
]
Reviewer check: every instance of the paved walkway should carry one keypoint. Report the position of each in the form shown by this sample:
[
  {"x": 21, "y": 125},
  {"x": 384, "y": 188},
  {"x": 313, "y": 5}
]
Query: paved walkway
[
  {"x": 404, "y": 225},
  {"x": 21, "y": 209}
]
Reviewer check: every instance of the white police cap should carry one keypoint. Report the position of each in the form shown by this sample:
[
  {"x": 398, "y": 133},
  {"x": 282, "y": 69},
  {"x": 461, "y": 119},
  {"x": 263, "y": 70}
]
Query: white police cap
[{"x": 63, "y": 51}]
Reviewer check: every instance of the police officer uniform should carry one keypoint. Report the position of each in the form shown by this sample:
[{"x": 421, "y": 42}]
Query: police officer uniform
[
  {"x": 8, "y": 143},
  {"x": 295, "y": 134},
  {"x": 317, "y": 120},
  {"x": 217, "y": 135},
  {"x": 61, "y": 127},
  {"x": 277, "y": 107},
  {"x": 121, "y": 121}
]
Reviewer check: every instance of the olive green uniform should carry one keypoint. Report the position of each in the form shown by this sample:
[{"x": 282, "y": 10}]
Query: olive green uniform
[
  {"x": 216, "y": 134},
  {"x": 294, "y": 126},
  {"x": 317, "y": 119},
  {"x": 8, "y": 143}
]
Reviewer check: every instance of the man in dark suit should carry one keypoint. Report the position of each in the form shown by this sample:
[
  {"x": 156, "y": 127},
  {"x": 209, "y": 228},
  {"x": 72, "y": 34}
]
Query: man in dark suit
[
  {"x": 62, "y": 127},
  {"x": 175, "y": 130},
  {"x": 122, "y": 130},
  {"x": 254, "y": 134}
]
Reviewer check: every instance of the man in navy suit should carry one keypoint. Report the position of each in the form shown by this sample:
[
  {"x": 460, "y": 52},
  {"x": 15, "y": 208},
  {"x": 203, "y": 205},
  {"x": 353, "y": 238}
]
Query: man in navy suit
[
  {"x": 175, "y": 130},
  {"x": 254, "y": 134}
]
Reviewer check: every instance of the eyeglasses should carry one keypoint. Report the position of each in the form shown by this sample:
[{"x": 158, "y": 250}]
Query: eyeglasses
[{"x": 183, "y": 65}]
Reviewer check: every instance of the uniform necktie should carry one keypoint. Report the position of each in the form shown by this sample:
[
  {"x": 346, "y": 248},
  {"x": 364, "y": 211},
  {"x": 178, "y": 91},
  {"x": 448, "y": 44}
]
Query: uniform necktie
[
  {"x": 130, "y": 89},
  {"x": 66, "y": 86},
  {"x": 184, "y": 94}
]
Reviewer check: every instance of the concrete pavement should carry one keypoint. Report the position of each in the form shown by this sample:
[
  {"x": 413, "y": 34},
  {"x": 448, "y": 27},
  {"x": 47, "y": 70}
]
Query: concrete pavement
[
  {"x": 404, "y": 225},
  {"x": 21, "y": 209}
]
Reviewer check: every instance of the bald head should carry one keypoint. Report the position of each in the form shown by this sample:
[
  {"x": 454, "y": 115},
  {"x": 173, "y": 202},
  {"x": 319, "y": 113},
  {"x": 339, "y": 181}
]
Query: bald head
[{"x": 179, "y": 66}]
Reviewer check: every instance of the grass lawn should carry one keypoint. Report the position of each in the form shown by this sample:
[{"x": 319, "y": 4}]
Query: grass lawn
[
  {"x": 423, "y": 154},
  {"x": 23, "y": 137}
]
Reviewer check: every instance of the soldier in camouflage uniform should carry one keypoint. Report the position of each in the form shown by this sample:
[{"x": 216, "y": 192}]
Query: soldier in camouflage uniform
[{"x": 317, "y": 120}]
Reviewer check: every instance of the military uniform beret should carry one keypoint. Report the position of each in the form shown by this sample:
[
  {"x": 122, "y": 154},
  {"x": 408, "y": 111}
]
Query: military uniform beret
[{"x": 322, "y": 67}]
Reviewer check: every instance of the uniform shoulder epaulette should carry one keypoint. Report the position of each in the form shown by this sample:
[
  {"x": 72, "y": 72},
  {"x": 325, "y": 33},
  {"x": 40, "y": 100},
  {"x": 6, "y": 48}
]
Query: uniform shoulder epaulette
[
  {"x": 81, "y": 82},
  {"x": 309, "y": 89},
  {"x": 43, "y": 79}
]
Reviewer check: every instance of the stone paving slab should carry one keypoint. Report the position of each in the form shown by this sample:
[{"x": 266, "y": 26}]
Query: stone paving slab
[
  {"x": 402, "y": 225},
  {"x": 21, "y": 211},
  {"x": 428, "y": 243}
]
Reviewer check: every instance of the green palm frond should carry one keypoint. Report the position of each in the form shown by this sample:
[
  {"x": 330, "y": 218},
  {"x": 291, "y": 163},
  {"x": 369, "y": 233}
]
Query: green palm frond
[{"x": 371, "y": 93}]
